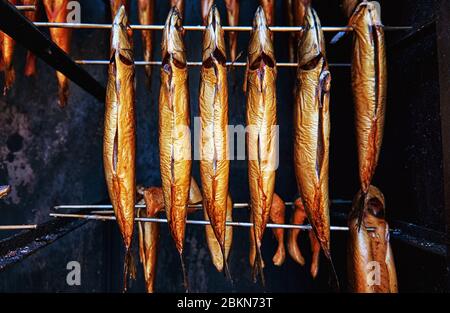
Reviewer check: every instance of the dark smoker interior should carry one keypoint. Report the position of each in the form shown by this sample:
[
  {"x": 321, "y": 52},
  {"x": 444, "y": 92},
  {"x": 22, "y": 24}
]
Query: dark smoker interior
[{"x": 53, "y": 156}]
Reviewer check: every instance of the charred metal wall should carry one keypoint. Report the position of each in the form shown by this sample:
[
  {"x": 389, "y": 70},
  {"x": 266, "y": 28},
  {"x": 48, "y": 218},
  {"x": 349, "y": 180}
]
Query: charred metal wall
[{"x": 54, "y": 156}]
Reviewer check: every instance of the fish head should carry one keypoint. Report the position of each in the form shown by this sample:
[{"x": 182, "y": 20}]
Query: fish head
[
  {"x": 122, "y": 37},
  {"x": 372, "y": 205},
  {"x": 261, "y": 45},
  {"x": 213, "y": 38},
  {"x": 173, "y": 39},
  {"x": 312, "y": 43}
]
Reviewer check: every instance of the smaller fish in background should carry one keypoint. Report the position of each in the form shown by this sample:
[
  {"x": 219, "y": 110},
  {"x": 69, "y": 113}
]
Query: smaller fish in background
[
  {"x": 146, "y": 12},
  {"x": 32, "y": 15},
  {"x": 233, "y": 20},
  {"x": 179, "y": 4},
  {"x": 7, "y": 61}
]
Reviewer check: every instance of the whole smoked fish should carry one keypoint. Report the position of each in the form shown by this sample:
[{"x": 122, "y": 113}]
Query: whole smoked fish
[
  {"x": 261, "y": 118},
  {"x": 149, "y": 234},
  {"x": 119, "y": 143},
  {"x": 4, "y": 191},
  {"x": 369, "y": 248},
  {"x": 30, "y": 65},
  {"x": 298, "y": 218},
  {"x": 57, "y": 13},
  {"x": 115, "y": 6},
  {"x": 233, "y": 20},
  {"x": 213, "y": 104},
  {"x": 146, "y": 11},
  {"x": 174, "y": 134},
  {"x": 369, "y": 83},
  {"x": 180, "y": 6},
  {"x": 7, "y": 54},
  {"x": 312, "y": 131}
]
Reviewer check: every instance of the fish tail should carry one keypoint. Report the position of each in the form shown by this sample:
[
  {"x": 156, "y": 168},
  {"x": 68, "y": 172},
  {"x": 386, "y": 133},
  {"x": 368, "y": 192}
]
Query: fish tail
[
  {"x": 258, "y": 268},
  {"x": 129, "y": 268},
  {"x": 226, "y": 269},
  {"x": 334, "y": 280},
  {"x": 184, "y": 272}
]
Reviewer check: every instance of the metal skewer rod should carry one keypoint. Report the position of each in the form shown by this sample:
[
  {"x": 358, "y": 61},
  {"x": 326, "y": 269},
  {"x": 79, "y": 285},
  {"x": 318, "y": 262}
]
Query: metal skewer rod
[
  {"x": 193, "y": 222},
  {"x": 17, "y": 227},
  {"x": 159, "y": 63},
  {"x": 142, "y": 206},
  {"x": 201, "y": 28},
  {"x": 26, "y": 7}
]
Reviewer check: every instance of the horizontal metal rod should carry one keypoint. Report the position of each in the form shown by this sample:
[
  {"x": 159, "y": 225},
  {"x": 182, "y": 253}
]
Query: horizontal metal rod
[
  {"x": 142, "y": 206},
  {"x": 26, "y": 7},
  {"x": 17, "y": 227},
  {"x": 159, "y": 63},
  {"x": 200, "y": 28},
  {"x": 193, "y": 222}
]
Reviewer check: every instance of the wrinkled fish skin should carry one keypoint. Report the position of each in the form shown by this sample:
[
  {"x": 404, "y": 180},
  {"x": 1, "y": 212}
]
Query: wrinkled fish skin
[
  {"x": 57, "y": 12},
  {"x": 30, "y": 65},
  {"x": 120, "y": 130},
  {"x": 312, "y": 128},
  {"x": 149, "y": 234},
  {"x": 369, "y": 83},
  {"x": 233, "y": 20},
  {"x": 8, "y": 46},
  {"x": 4, "y": 191},
  {"x": 174, "y": 121},
  {"x": 365, "y": 246},
  {"x": 213, "y": 104},
  {"x": 146, "y": 10},
  {"x": 179, "y": 4},
  {"x": 261, "y": 118},
  {"x": 115, "y": 6}
]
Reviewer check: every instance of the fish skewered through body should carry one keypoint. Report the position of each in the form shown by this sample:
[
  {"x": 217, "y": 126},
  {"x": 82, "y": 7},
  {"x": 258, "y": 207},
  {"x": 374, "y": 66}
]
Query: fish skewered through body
[
  {"x": 120, "y": 132},
  {"x": 179, "y": 4},
  {"x": 299, "y": 218},
  {"x": 4, "y": 191},
  {"x": 366, "y": 246},
  {"x": 7, "y": 55},
  {"x": 174, "y": 134},
  {"x": 261, "y": 118},
  {"x": 312, "y": 130},
  {"x": 149, "y": 234},
  {"x": 146, "y": 11},
  {"x": 369, "y": 83},
  {"x": 233, "y": 20},
  {"x": 30, "y": 65},
  {"x": 213, "y": 104},
  {"x": 57, "y": 13},
  {"x": 115, "y": 6}
]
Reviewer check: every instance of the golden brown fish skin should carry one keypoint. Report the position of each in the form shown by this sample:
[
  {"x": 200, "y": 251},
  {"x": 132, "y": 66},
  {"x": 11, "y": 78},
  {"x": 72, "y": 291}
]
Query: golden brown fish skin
[
  {"x": 149, "y": 234},
  {"x": 366, "y": 246},
  {"x": 213, "y": 105},
  {"x": 119, "y": 142},
  {"x": 206, "y": 6},
  {"x": 277, "y": 216},
  {"x": 195, "y": 194},
  {"x": 8, "y": 46},
  {"x": 312, "y": 129},
  {"x": 30, "y": 65},
  {"x": 261, "y": 118},
  {"x": 4, "y": 191},
  {"x": 146, "y": 10},
  {"x": 215, "y": 249},
  {"x": 179, "y": 4},
  {"x": 57, "y": 12},
  {"x": 115, "y": 6},
  {"x": 369, "y": 82},
  {"x": 233, "y": 20},
  {"x": 269, "y": 10},
  {"x": 174, "y": 121}
]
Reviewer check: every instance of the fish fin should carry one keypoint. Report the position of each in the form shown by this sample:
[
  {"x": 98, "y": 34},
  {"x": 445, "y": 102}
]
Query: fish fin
[
  {"x": 184, "y": 272},
  {"x": 129, "y": 268}
]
